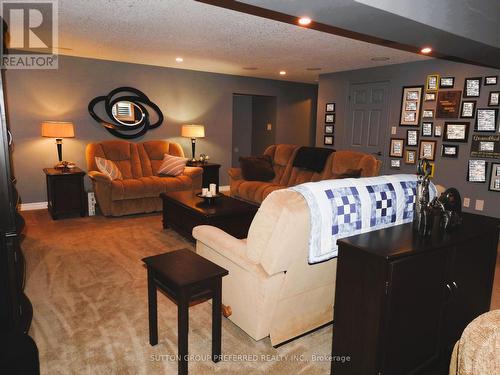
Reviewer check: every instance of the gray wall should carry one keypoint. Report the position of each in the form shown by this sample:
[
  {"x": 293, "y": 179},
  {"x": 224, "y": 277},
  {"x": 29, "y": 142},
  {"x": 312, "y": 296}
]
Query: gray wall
[
  {"x": 242, "y": 127},
  {"x": 184, "y": 96},
  {"x": 449, "y": 172},
  {"x": 263, "y": 113}
]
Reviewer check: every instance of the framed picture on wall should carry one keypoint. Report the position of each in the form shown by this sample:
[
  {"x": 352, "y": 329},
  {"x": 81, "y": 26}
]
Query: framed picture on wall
[
  {"x": 427, "y": 150},
  {"x": 477, "y": 171},
  {"x": 328, "y": 140},
  {"x": 486, "y": 120},
  {"x": 432, "y": 82},
  {"x": 426, "y": 129},
  {"x": 430, "y": 96},
  {"x": 494, "y": 99},
  {"x": 456, "y": 132},
  {"x": 328, "y": 129},
  {"x": 412, "y": 137},
  {"x": 397, "y": 146},
  {"x": 428, "y": 113},
  {"x": 472, "y": 87},
  {"x": 330, "y": 118},
  {"x": 468, "y": 109},
  {"x": 490, "y": 80},
  {"x": 330, "y": 107},
  {"x": 410, "y": 157},
  {"x": 411, "y": 103},
  {"x": 447, "y": 82},
  {"x": 395, "y": 164},
  {"x": 448, "y": 104},
  {"x": 438, "y": 130},
  {"x": 449, "y": 151},
  {"x": 495, "y": 177}
]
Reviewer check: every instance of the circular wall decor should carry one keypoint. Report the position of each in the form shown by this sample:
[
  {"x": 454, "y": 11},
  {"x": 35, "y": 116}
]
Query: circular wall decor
[{"x": 128, "y": 112}]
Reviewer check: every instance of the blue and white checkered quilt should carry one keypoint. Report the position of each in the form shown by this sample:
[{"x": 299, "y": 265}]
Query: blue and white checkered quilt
[{"x": 346, "y": 207}]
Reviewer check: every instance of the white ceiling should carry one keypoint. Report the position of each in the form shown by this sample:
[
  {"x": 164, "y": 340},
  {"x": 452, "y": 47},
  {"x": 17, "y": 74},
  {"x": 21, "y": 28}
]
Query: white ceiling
[{"x": 209, "y": 38}]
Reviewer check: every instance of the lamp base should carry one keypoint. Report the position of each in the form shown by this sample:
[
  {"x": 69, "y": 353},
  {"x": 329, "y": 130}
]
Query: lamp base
[{"x": 65, "y": 165}]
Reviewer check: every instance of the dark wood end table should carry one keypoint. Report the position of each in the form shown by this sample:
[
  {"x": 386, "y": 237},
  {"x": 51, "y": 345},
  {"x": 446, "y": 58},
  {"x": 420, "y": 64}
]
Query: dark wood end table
[
  {"x": 65, "y": 191},
  {"x": 210, "y": 172},
  {"x": 183, "y": 210},
  {"x": 185, "y": 276}
]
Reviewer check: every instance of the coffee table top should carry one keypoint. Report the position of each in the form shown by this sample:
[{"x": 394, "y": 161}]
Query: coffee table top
[
  {"x": 184, "y": 267},
  {"x": 222, "y": 206}
]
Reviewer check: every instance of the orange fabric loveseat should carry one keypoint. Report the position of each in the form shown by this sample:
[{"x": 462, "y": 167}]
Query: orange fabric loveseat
[
  {"x": 287, "y": 175},
  {"x": 139, "y": 190}
]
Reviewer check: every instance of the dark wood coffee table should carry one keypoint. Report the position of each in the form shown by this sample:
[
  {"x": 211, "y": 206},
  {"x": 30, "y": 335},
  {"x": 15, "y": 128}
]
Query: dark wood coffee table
[{"x": 183, "y": 210}]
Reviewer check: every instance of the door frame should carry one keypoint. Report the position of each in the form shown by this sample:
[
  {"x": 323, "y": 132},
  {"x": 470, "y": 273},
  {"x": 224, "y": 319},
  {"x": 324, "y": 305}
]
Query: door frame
[{"x": 386, "y": 134}]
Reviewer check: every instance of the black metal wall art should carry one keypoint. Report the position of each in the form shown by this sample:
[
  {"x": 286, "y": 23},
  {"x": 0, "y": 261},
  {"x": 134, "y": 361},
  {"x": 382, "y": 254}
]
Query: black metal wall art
[{"x": 128, "y": 112}]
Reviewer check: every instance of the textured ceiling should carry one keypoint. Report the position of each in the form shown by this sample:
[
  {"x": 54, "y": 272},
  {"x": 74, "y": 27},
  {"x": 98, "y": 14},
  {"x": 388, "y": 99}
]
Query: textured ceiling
[{"x": 209, "y": 38}]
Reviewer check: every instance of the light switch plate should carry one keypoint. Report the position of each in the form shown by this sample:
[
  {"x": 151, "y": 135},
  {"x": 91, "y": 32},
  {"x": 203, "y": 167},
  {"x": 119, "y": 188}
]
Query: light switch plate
[
  {"x": 466, "y": 202},
  {"x": 269, "y": 127},
  {"x": 393, "y": 130},
  {"x": 479, "y": 204}
]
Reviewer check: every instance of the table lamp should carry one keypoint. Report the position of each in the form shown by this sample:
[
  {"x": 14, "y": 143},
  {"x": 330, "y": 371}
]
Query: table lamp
[
  {"x": 193, "y": 132},
  {"x": 58, "y": 130}
]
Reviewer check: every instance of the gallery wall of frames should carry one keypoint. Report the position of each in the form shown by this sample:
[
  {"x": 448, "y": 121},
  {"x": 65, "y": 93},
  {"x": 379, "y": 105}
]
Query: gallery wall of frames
[
  {"x": 445, "y": 111},
  {"x": 440, "y": 118}
]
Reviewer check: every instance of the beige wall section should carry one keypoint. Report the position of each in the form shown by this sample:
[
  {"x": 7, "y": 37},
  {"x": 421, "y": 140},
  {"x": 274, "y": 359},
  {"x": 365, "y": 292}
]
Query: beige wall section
[{"x": 184, "y": 96}]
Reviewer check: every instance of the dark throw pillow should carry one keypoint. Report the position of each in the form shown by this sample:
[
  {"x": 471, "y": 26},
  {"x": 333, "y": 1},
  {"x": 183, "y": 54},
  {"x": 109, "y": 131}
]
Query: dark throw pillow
[
  {"x": 348, "y": 173},
  {"x": 257, "y": 168}
]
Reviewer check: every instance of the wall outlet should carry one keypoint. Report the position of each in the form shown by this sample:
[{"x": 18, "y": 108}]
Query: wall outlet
[
  {"x": 269, "y": 127},
  {"x": 479, "y": 204},
  {"x": 466, "y": 202},
  {"x": 393, "y": 130}
]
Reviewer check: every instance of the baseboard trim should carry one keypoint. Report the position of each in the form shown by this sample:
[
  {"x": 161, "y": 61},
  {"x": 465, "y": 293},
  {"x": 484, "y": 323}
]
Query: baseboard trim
[
  {"x": 33, "y": 206},
  {"x": 224, "y": 188}
]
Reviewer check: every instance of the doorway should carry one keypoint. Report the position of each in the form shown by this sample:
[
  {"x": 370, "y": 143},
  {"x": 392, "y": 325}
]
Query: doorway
[
  {"x": 368, "y": 120},
  {"x": 254, "y": 125}
]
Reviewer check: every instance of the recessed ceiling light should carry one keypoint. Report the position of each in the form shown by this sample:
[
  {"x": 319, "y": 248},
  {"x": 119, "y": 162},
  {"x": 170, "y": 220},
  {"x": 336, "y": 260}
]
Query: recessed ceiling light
[
  {"x": 282, "y": 73},
  {"x": 426, "y": 50},
  {"x": 313, "y": 69},
  {"x": 304, "y": 21},
  {"x": 380, "y": 58},
  {"x": 179, "y": 59}
]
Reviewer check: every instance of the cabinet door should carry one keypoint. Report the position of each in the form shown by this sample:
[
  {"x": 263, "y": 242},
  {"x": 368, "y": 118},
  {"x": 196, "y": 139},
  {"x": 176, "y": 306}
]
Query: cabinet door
[
  {"x": 415, "y": 303},
  {"x": 471, "y": 280}
]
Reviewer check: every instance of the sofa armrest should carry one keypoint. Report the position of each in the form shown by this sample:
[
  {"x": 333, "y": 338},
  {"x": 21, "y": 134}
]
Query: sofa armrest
[
  {"x": 227, "y": 246},
  {"x": 99, "y": 177},
  {"x": 235, "y": 173}
]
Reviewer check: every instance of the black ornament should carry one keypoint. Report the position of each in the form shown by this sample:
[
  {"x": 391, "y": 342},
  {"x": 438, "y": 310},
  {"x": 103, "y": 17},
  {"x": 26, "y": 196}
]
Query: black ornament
[{"x": 130, "y": 129}]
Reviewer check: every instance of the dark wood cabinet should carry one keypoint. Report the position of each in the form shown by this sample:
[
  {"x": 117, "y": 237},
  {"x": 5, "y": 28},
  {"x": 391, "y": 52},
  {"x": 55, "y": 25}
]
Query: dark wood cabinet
[
  {"x": 65, "y": 192},
  {"x": 402, "y": 301},
  {"x": 210, "y": 173},
  {"x": 15, "y": 308}
]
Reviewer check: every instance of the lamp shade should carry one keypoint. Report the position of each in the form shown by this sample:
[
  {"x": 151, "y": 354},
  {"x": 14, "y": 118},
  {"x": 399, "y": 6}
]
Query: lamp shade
[
  {"x": 58, "y": 129},
  {"x": 193, "y": 131}
]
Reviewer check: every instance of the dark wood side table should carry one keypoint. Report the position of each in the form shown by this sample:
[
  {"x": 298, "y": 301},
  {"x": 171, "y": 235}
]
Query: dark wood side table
[
  {"x": 185, "y": 276},
  {"x": 65, "y": 191},
  {"x": 210, "y": 172}
]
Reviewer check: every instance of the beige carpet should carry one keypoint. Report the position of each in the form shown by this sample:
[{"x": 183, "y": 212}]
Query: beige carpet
[{"x": 87, "y": 284}]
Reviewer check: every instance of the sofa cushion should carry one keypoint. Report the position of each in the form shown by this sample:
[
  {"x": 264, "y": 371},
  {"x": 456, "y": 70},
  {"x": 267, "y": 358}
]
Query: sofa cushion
[
  {"x": 256, "y": 191},
  {"x": 148, "y": 187},
  {"x": 108, "y": 168},
  {"x": 172, "y": 165},
  {"x": 257, "y": 168}
]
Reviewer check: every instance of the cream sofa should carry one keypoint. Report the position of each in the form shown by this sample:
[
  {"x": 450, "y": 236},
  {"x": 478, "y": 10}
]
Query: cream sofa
[{"x": 271, "y": 288}]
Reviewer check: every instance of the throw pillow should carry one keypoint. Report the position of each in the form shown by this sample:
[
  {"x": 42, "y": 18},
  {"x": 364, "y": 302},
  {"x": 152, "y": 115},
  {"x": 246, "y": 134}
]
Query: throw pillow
[
  {"x": 109, "y": 168},
  {"x": 348, "y": 173},
  {"x": 257, "y": 168},
  {"x": 172, "y": 165}
]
